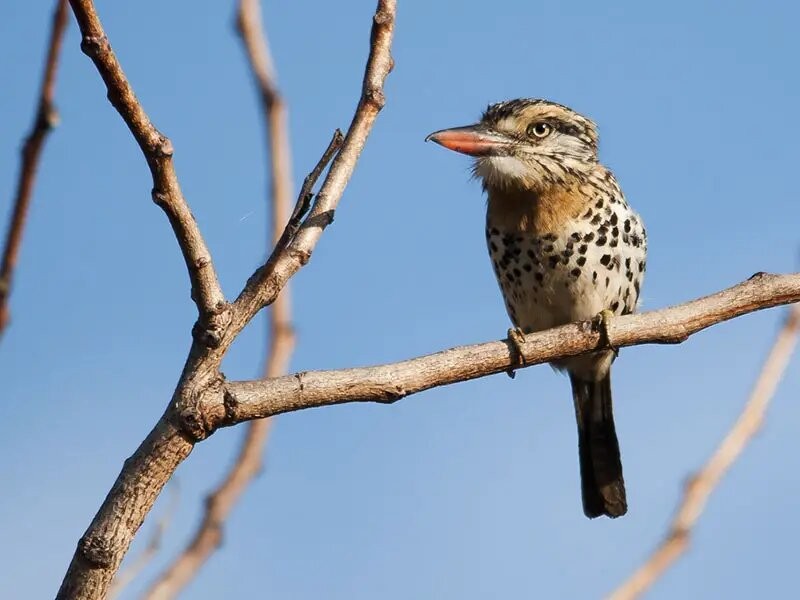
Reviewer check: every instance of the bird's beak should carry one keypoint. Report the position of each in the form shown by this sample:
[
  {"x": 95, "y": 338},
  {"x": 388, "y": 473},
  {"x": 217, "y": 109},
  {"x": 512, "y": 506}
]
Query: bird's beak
[{"x": 473, "y": 140}]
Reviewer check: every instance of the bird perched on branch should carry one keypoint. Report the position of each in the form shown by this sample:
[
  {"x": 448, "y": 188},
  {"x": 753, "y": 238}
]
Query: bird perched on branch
[{"x": 565, "y": 247}]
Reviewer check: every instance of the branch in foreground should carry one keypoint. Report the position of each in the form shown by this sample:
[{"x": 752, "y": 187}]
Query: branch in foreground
[
  {"x": 45, "y": 120},
  {"x": 701, "y": 484},
  {"x": 247, "y": 464},
  {"x": 245, "y": 400},
  {"x": 157, "y": 150},
  {"x": 105, "y": 542},
  {"x": 137, "y": 565}
]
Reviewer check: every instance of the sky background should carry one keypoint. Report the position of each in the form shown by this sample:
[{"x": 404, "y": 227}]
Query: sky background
[{"x": 468, "y": 491}]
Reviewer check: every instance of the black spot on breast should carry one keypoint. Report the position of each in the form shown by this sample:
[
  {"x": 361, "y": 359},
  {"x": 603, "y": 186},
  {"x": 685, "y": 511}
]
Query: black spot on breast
[
  {"x": 548, "y": 248},
  {"x": 567, "y": 253},
  {"x": 581, "y": 261},
  {"x": 596, "y": 220},
  {"x": 553, "y": 260},
  {"x": 605, "y": 259},
  {"x": 615, "y": 305},
  {"x": 636, "y": 240},
  {"x": 599, "y": 203},
  {"x": 613, "y": 243},
  {"x": 588, "y": 237},
  {"x": 527, "y": 267},
  {"x": 608, "y": 280},
  {"x": 601, "y": 241},
  {"x": 539, "y": 277},
  {"x": 614, "y": 219},
  {"x": 576, "y": 236},
  {"x": 575, "y": 272},
  {"x": 493, "y": 246},
  {"x": 517, "y": 272},
  {"x": 615, "y": 231},
  {"x": 627, "y": 225},
  {"x": 602, "y": 230},
  {"x": 494, "y": 231},
  {"x": 641, "y": 266},
  {"x": 587, "y": 214},
  {"x": 550, "y": 237},
  {"x": 636, "y": 287},
  {"x": 628, "y": 263},
  {"x": 594, "y": 276}
]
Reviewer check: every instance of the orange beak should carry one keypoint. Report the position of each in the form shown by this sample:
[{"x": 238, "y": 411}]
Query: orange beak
[{"x": 473, "y": 140}]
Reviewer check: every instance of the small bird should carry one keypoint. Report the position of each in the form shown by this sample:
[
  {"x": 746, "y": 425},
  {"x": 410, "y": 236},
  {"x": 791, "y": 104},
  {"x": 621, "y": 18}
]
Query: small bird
[{"x": 565, "y": 247}]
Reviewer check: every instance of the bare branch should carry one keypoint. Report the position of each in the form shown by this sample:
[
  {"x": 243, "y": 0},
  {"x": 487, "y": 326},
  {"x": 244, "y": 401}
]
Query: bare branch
[
  {"x": 701, "y": 484},
  {"x": 245, "y": 400},
  {"x": 137, "y": 565},
  {"x": 184, "y": 422},
  {"x": 45, "y": 120},
  {"x": 157, "y": 150},
  {"x": 265, "y": 284},
  {"x": 247, "y": 464}
]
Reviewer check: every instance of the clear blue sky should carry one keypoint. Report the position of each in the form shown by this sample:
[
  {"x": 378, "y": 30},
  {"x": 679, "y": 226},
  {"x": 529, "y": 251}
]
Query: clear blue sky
[{"x": 469, "y": 491}]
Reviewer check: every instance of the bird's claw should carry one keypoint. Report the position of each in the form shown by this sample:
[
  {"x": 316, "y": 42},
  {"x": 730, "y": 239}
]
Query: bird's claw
[
  {"x": 600, "y": 324},
  {"x": 516, "y": 337}
]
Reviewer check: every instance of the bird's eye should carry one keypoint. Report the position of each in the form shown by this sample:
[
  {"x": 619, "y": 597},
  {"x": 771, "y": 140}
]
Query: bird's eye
[{"x": 539, "y": 130}]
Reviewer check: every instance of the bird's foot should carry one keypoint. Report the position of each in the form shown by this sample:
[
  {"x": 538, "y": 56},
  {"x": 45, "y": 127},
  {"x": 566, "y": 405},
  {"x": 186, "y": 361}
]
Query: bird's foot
[
  {"x": 516, "y": 337},
  {"x": 600, "y": 324}
]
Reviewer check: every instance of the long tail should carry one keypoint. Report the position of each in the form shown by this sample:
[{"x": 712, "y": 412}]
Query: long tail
[{"x": 602, "y": 485}]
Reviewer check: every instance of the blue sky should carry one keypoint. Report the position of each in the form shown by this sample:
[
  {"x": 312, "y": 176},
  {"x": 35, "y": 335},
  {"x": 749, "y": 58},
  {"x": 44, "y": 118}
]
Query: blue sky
[{"x": 469, "y": 491}]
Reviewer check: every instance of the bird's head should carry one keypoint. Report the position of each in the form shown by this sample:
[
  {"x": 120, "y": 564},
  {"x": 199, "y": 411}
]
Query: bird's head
[{"x": 525, "y": 144}]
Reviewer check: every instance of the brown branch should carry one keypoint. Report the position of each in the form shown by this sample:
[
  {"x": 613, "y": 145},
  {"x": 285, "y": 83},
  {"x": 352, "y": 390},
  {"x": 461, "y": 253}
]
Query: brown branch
[
  {"x": 245, "y": 400},
  {"x": 247, "y": 464},
  {"x": 45, "y": 120},
  {"x": 157, "y": 150},
  {"x": 137, "y": 565},
  {"x": 263, "y": 287},
  {"x": 701, "y": 484},
  {"x": 184, "y": 422}
]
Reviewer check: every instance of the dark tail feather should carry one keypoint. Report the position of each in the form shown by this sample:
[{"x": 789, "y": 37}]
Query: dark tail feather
[{"x": 602, "y": 485}]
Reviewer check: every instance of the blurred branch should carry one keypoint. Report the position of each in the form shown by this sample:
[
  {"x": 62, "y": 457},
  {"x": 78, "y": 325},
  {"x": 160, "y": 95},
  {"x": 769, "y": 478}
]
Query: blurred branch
[
  {"x": 137, "y": 565},
  {"x": 701, "y": 484},
  {"x": 184, "y": 423},
  {"x": 247, "y": 464},
  {"x": 245, "y": 400},
  {"x": 45, "y": 120}
]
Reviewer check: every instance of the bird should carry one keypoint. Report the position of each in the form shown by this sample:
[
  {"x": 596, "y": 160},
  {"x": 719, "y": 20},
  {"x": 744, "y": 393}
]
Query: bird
[{"x": 565, "y": 246}]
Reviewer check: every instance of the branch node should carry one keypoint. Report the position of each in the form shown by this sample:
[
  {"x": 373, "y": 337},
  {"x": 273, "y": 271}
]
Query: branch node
[
  {"x": 159, "y": 198},
  {"x": 231, "y": 404},
  {"x": 97, "y": 550},
  {"x": 375, "y": 97},
  {"x": 163, "y": 147},
  {"x": 93, "y": 45}
]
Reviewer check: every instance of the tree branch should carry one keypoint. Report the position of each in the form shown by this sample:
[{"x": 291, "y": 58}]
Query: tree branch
[
  {"x": 157, "y": 149},
  {"x": 245, "y": 400},
  {"x": 247, "y": 464},
  {"x": 265, "y": 284},
  {"x": 184, "y": 422},
  {"x": 701, "y": 484},
  {"x": 137, "y": 565},
  {"x": 45, "y": 120}
]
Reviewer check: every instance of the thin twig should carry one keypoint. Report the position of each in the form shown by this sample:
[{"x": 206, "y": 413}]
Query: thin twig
[
  {"x": 263, "y": 287},
  {"x": 701, "y": 484},
  {"x": 105, "y": 542},
  {"x": 131, "y": 572},
  {"x": 44, "y": 121},
  {"x": 158, "y": 151},
  {"x": 247, "y": 464}
]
